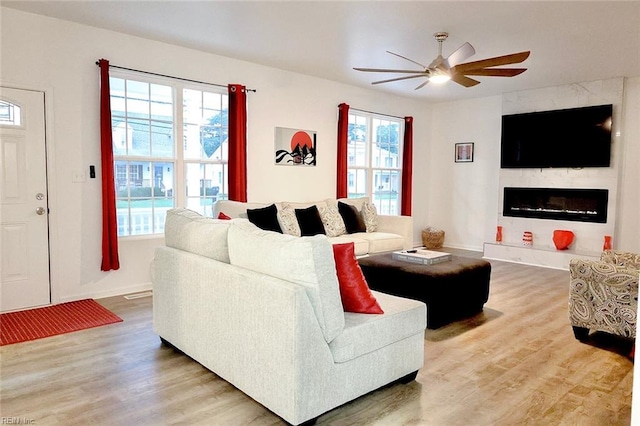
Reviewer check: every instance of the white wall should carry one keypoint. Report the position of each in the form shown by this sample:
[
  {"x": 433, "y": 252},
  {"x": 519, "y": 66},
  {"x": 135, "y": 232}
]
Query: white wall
[
  {"x": 59, "y": 57},
  {"x": 589, "y": 236},
  {"x": 464, "y": 198},
  {"x": 461, "y": 198},
  {"x": 627, "y": 236}
]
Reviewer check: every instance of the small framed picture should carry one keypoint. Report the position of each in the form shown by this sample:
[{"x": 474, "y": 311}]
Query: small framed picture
[{"x": 464, "y": 152}]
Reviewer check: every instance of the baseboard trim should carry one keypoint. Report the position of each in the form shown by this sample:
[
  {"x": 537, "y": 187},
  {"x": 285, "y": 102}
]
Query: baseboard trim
[{"x": 109, "y": 293}]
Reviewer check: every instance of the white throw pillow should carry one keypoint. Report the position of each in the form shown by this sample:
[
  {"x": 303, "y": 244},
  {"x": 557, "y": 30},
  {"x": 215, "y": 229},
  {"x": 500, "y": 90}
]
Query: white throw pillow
[
  {"x": 370, "y": 216},
  {"x": 288, "y": 220},
  {"x": 332, "y": 221}
]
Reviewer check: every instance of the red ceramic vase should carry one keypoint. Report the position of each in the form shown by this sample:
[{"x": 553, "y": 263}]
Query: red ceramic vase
[{"x": 562, "y": 238}]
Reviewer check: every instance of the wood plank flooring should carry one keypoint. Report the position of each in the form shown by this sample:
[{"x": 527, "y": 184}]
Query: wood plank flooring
[{"x": 517, "y": 363}]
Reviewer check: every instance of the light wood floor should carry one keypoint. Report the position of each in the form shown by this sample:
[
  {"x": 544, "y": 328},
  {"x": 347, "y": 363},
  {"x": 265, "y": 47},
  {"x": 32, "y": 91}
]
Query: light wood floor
[{"x": 516, "y": 363}]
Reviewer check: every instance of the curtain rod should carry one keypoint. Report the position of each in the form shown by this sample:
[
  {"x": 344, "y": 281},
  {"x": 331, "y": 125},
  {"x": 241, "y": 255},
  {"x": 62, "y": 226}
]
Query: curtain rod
[
  {"x": 378, "y": 113},
  {"x": 170, "y": 76}
]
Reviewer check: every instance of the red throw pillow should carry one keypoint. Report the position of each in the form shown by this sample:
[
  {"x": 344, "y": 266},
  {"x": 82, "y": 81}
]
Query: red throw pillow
[
  {"x": 354, "y": 290},
  {"x": 223, "y": 216}
]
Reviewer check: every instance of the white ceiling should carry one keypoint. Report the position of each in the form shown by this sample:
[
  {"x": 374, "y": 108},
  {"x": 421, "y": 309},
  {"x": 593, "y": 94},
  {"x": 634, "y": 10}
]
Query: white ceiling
[{"x": 569, "y": 41}]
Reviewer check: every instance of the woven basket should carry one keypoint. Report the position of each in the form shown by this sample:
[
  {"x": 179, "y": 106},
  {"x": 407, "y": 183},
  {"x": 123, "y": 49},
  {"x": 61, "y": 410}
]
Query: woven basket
[{"x": 432, "y": 238}]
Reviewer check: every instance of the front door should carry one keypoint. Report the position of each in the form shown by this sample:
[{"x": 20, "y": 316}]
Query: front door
[{"x": 24, "y": 223}]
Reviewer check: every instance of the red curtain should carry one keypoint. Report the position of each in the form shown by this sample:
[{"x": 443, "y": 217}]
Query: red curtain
[
  {"x": 343, "y": 135},
  {"x": 109, "y": 220},
  {"x": 237, "y": 143},
  {"x": 407, "y": 167}
]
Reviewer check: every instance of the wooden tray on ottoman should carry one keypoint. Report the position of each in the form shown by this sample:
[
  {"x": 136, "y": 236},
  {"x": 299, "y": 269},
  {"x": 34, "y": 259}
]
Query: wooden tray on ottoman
[{"x": 452, "y": 290}]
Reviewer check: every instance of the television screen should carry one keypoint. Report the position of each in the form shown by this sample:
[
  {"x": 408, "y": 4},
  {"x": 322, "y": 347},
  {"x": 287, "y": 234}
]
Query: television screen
[{"x": 576, "y": 137}]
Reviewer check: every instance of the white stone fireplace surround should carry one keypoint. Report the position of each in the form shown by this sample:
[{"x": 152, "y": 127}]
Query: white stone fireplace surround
[{"x": 589, "y": 237}]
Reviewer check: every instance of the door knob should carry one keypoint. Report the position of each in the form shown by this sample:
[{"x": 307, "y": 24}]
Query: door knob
[{"x": 40, "y": 210}]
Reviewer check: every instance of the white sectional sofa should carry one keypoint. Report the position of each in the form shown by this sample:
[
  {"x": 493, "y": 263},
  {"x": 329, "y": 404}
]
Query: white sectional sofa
[
  {"x": 392, "y": 233},
  {"x": 262, "y": 310}
]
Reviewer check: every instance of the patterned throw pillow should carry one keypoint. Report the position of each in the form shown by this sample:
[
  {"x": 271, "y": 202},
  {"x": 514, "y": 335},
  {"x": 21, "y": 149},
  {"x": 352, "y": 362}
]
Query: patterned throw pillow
[
  {"x": 370, "y": 216},
  {"x": 288, "y": 220},
  {"x": 332, "y": 221}
]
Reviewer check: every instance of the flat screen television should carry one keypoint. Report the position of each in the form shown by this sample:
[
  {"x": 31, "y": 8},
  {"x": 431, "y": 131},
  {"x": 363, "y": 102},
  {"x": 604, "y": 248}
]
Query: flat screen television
[{"x": 576, "y": 137}]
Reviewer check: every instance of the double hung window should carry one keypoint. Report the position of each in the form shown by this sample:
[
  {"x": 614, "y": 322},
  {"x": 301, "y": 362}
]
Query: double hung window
[
  {"x": 170, "y": 149},
  {"x": 374, "y": 160}
]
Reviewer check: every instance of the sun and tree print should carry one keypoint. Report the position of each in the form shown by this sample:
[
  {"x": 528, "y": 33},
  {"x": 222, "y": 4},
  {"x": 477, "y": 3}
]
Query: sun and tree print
[{"x": 295, "y": 147}]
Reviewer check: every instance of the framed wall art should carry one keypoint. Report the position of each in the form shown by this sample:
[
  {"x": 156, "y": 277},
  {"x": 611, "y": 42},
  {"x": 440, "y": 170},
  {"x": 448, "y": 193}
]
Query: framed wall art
[
  {"x": 295, "y": 147},
  {"x": 464, "y": 152}
]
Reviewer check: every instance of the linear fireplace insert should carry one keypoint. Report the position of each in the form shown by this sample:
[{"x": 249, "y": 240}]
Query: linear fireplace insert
[{"x": 581, "y": 205}]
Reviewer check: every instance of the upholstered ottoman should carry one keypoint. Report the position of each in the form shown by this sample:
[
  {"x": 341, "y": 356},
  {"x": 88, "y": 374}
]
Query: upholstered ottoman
[{"x": 452, "y": 290}]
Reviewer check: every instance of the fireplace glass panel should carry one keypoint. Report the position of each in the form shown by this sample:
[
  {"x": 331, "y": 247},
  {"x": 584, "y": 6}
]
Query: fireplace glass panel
[{"x": 581, "y": 205}]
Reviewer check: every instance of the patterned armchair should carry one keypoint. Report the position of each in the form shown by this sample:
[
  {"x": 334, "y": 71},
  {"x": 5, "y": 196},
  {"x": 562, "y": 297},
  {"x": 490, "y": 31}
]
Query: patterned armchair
[{"x": 603, "y": 295}]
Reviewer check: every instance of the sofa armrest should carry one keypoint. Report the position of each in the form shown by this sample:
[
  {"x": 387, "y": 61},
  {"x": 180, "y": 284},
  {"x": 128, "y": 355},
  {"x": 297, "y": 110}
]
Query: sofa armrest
[
  {"x": 603, "y": 296},
  {"x": 401, "y": 225},
  {"x": 234, "y": 209},
  {"x": 255, "y": 331}
]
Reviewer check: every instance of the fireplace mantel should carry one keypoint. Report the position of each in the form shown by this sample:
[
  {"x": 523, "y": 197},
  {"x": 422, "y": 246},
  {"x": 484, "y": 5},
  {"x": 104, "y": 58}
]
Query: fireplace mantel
[{"x": 535, "y": 256}]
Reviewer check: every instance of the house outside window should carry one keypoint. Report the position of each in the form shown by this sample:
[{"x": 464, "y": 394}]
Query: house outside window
[
  {"x": 375, "y": 160},
  {"x": 152, "y": 172}
]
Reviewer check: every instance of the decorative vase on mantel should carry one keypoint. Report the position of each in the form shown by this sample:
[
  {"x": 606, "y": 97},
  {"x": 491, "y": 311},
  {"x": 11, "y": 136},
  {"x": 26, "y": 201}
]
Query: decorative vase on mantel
[
  {"x": 607, "y": 243},
  {"x": 527, "y": 238},
  {"x": 499, "y": 234},
  {"x": 562, "y": 238}
]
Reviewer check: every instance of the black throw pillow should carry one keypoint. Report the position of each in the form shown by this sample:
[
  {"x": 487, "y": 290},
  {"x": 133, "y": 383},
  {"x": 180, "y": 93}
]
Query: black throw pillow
[
  {"x": 310, "y": 221},
  {"x": 265, "y": 218},
  {"x": 352, "y": 218}
]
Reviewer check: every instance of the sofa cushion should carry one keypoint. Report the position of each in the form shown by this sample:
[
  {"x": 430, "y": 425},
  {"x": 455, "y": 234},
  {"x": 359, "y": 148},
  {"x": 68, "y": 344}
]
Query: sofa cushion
[
  {"x": 332, "y": 221},
  {"x": 265, "y": 218},
  {"x": 364, "y": 334},
  {"x": 223, "y": 216},
  {"x": 187, "y": 230},
  {"x": 382, "y": 241},
  {"x": 309, "y": 221},
  {"x": 307, "y": 261},
  {"x": 288, "y": 220},
  {"x": 361, "y": 246},
  {"x": 304, "y": 205},
  {"x": 354, "y": 290},
  {"x": 352, "y": 218}
]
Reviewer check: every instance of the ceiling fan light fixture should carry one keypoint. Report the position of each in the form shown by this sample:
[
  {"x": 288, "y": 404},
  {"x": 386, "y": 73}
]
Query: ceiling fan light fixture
[
  {"x": 439, "y": 78},
  {"x": 442, "y": 69}
]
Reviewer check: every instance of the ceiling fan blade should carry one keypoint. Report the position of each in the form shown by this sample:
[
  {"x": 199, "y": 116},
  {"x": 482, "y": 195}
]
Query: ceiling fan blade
[
  {"x": 389, "y": 70},
  {"x": 422, "y": 85},
  {"x": 496, "y": 72},
  {"x": 463, "y": 52},
  {"x": 399, "y": 78},
  {"x": 514, "y": 58},
  {"x": 464, "y": 80},
  {"x": 403, "y": 57}
]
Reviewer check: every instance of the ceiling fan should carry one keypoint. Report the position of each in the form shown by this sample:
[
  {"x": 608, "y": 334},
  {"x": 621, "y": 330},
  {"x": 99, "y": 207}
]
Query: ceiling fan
[{"x": 451, "y": 68}]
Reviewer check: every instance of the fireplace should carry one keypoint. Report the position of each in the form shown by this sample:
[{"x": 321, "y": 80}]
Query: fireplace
[{"x": 581, "y": 205}]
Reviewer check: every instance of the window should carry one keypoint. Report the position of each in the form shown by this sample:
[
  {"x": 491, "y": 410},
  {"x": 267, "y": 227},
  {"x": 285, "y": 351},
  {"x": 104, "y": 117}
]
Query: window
[
  {"x": 10, "y": 114},
  {"x": 375, "y": 160},
  {"x": 153, "y": 173}
]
